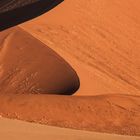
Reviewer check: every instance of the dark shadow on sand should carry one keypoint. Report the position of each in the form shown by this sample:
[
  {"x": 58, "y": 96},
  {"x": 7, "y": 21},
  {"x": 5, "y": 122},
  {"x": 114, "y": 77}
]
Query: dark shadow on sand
[
  {"x": 22, "y": 14},
  {"x": 30, "y": 11}
]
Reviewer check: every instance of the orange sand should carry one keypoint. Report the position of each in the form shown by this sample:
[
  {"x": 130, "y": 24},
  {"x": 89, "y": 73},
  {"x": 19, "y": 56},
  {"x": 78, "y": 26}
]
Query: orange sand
[{"x": 100, "y": 41}]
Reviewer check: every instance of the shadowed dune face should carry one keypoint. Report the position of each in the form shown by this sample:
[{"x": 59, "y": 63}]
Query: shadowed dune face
[
  {"x": 13, "y": 12},
  {"x": 28, "y": 66}
]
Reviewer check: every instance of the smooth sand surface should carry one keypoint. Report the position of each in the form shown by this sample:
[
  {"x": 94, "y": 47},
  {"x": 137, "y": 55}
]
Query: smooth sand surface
[{"x": 9, "y": 130}]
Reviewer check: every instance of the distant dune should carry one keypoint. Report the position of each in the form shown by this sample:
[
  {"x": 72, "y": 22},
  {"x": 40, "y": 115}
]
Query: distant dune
[
  {"x": 13, "y": 12},
  {"x": 86, "y": 48}
]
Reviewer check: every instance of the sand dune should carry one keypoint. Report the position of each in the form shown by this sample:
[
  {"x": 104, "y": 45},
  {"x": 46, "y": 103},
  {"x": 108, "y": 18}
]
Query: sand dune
[
  {"x": 96, "y": 47},
  {"x": 30, "y": 131},
  {"x": 29, "y": 66},
  {"x": 105, "y": 113},
  {"x": 99, "y": 38}
]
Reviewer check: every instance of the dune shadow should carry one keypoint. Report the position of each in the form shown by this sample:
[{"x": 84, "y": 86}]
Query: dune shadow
[
  {"x": 55, "y": 76},
  {"x": 29, "y": 66},
  {"x": 24, "y": 13}
]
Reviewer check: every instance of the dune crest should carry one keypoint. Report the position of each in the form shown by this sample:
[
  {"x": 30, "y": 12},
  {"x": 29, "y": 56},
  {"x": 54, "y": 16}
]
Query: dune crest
[{"x": 29, "y": 66}]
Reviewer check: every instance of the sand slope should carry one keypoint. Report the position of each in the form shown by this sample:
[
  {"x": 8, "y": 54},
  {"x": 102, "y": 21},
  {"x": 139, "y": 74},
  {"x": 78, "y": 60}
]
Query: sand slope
[
  {"x": 30, "y": 131},
  {"x": 99, "y": 38},
  {"x": 29, "y": 66},
  {"x": 105, "y": 113}
]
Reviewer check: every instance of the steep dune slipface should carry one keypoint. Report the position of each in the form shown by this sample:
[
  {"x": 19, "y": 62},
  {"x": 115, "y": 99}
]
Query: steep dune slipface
[
  {"x": 28, "y": 66},
  {"x": 100, "y": 38}
]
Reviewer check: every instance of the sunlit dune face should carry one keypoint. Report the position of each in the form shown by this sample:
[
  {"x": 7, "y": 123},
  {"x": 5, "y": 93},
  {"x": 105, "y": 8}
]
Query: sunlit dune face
[
  {"x": 30, "y": 67},
  {"x": 100, "y": 38}
]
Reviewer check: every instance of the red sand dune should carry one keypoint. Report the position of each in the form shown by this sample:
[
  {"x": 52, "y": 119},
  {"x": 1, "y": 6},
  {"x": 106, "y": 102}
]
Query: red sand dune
[
  {"x": 100, "y": 40},
  {"x": 29, "y": 66}
]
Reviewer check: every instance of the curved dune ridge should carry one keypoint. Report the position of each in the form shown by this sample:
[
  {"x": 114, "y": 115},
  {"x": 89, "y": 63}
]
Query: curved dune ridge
[
  {"x": 29, "y": 66},
  {"x": 13, "y": 12},
  {"x": 100, "y": 40}
]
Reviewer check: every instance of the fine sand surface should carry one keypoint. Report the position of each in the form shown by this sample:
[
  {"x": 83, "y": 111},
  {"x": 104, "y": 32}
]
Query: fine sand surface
[
  {"x": 99, "y": 38},
  {"x": 105, "y": 113},
  {"x": 90, "y": 48},
  {"x": 30, "y": 131}
]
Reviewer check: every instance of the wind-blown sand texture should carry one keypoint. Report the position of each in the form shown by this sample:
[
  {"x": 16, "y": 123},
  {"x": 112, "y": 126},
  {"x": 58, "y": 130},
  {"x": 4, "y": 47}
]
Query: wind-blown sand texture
[
  {"x": 99, "y": 38},
  {"x": 94, "y": 52}
]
